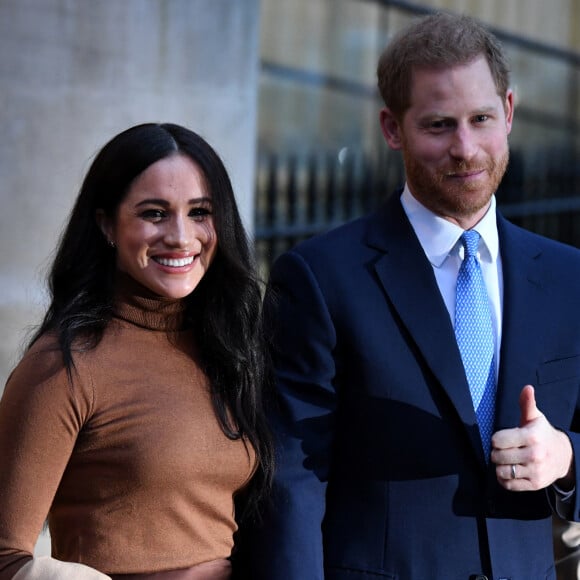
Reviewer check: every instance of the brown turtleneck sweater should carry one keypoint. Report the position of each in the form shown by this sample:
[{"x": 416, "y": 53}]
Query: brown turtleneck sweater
[{"x": 128, "y": 460}]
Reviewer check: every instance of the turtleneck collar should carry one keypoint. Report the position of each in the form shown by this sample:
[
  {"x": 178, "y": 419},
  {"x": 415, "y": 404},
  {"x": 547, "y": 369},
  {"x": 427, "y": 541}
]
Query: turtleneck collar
[{"x": 138, "y": 305}]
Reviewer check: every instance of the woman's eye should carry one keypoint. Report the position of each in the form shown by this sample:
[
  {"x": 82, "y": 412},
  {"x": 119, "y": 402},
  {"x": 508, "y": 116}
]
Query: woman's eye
[
  {"x": 199, "y": 213},
  {"x": 153, "y": 214}
]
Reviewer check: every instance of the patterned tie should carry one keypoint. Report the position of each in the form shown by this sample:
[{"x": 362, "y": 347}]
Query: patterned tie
[{"x": 474, "y": 333}]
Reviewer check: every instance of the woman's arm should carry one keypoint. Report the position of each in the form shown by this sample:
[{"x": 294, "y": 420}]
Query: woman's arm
[{"x": 40, "y": 417}]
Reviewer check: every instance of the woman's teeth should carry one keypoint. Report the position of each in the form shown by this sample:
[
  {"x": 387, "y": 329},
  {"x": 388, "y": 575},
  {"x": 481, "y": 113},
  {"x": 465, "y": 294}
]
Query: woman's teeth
[{"x": 174, "y": 262}]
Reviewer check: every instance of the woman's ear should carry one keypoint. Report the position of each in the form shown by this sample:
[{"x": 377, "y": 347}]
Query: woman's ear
[
  {"x": 105, "y": 225},
  {"x": 390, "y": 128}
]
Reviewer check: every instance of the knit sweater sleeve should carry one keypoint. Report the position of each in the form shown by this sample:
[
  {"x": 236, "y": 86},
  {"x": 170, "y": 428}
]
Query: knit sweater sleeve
[{"x": 41, "y": 413}]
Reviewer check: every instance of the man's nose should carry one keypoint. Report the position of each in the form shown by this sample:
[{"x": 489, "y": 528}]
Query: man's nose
[{"x": 464, "y": 144}]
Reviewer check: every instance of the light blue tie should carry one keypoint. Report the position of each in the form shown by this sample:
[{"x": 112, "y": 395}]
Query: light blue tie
[{"x": 474, "y": 333}]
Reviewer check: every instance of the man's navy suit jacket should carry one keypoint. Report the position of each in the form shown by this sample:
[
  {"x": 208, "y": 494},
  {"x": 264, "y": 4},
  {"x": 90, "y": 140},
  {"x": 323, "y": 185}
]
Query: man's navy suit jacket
[{"x": 381, "y": 471}]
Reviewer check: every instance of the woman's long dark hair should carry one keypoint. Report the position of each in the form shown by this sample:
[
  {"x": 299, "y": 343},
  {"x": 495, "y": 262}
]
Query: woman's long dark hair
[{"x": 226, "y": 303}]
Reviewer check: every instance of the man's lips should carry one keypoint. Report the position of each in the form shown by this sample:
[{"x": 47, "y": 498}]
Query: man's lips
[{"x": 465, "y": 174}]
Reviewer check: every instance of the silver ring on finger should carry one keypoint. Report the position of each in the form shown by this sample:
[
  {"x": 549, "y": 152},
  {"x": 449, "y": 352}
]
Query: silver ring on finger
[{"x": 513, "y": 471}]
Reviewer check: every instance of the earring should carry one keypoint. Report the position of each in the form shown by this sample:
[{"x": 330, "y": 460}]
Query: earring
[{"x": 111, "y": 243}]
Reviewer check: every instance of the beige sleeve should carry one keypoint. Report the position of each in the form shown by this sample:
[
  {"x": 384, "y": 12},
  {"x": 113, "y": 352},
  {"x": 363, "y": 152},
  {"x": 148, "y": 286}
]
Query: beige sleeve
[{"x": 46, "y": 568}]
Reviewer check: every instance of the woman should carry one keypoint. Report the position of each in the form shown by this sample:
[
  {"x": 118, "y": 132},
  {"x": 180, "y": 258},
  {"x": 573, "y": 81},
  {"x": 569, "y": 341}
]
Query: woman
[{"x": 135, "y": 416}]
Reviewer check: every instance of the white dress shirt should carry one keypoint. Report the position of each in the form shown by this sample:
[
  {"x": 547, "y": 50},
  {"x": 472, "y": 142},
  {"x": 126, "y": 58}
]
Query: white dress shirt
[{"x": 440, "y": 240}]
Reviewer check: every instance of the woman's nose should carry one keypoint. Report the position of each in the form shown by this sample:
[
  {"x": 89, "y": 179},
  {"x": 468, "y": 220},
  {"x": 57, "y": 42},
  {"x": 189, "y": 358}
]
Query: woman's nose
[{"x": 180, "y": 232}]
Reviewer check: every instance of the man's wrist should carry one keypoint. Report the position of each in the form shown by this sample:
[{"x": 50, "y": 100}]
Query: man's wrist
[{"x": 566, "y": 484}]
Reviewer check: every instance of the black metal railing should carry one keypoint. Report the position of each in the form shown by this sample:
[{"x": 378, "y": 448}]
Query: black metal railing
[{"x": 300, "y": 196}]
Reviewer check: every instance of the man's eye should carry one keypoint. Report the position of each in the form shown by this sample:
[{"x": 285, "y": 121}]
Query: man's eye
[
  {"x": 439, "y": 125},
  {"x": 481, "y": 118}
]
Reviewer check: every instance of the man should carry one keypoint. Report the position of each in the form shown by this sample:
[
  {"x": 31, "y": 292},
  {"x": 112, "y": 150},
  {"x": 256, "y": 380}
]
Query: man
[{"x": 415, "y": 442}]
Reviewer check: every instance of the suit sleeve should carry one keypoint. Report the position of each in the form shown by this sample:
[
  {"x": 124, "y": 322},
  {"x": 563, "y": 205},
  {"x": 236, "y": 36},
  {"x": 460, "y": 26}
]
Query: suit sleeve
[
  {"x": 569, "y": 508},
  {"x": 289, "y": 543},
  {"x": 566, "y": 505}
]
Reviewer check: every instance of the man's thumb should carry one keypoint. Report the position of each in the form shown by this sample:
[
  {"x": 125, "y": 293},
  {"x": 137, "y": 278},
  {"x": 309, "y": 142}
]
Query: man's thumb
[{"x": 528, "y": 409}]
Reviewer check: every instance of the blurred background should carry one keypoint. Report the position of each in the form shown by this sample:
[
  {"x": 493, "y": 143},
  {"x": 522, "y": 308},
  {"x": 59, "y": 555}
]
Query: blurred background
[
  {"x": 321, "y": 156},
  {"x": 285, "y": 92}
]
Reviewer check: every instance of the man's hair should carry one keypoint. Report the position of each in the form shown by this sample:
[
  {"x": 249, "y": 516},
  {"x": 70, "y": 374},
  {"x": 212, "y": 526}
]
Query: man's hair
[{"x": 437, "y": 41}]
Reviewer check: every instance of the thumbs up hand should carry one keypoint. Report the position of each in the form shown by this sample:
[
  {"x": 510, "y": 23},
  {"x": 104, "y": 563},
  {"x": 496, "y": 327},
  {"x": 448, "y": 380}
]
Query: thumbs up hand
[
  {"x": 533, "y": 455},
  {"x": 528, "y": 410}
]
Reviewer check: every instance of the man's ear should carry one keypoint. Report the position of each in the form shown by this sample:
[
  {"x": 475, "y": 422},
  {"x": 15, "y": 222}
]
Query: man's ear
[
  {"x": 105, "y": 225},
  {"x": 390, "y": 128},
  {"x": 509, "y": 105}
]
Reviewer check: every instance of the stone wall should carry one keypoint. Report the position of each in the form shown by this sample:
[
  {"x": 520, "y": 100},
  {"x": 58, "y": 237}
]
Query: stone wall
[{"x": 73, "y": 73}]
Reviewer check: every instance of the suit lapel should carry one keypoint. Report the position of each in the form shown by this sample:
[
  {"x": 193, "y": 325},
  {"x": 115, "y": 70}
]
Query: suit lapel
[
  {"x": 522, "y": 294},
  {"x": 407, "y": 277}
]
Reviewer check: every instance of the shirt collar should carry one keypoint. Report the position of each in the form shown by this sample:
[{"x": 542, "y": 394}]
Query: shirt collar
[{"x": 439, "y": 237}]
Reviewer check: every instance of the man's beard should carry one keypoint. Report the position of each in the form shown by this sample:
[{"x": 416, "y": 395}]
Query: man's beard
[{"x": 437, "y": 191}]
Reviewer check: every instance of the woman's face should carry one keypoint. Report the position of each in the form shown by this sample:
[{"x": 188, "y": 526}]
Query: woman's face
[{"x": 163, "y": 229}]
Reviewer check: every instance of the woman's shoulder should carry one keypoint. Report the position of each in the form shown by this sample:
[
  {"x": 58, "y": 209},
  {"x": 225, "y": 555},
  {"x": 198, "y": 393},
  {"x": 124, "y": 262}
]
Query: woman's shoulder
[
  {"x": 44, "y": 355},
  {"x": 44, "y": 363},
  {"x": 42, "y": 379}
]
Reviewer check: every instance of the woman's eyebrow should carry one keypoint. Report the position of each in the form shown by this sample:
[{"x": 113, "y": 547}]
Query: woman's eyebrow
[{"x": 166, "y": 203}]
